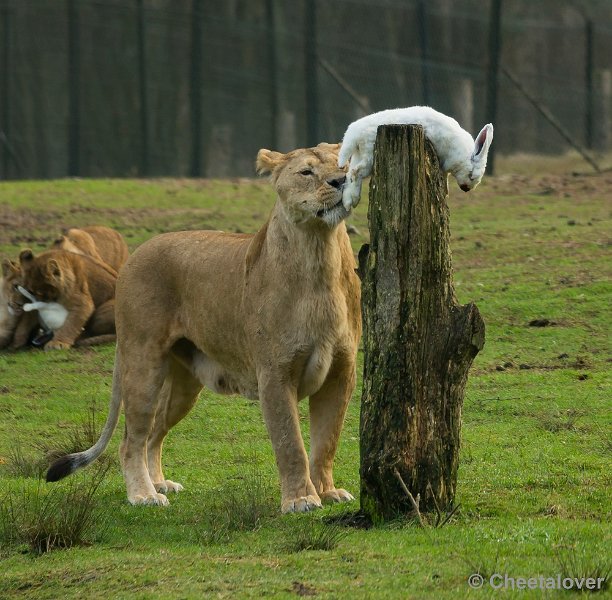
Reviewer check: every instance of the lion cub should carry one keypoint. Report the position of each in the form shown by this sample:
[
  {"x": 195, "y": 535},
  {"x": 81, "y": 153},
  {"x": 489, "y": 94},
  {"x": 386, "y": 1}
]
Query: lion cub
[
  {"x": 11, "y": 309},
  {"x": 84, "y": 286},
  {"x": 274, "y": 316},
  {"x": 99, "y": 242},
  {"x": 103, "y": 244}
]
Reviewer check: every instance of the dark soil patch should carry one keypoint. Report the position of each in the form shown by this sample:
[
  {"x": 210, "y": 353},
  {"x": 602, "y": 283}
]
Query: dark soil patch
[
  {"x": 302, "y": 589},
  {"x": 541, "y": 323},
  {"x": 357, "y": 520}
]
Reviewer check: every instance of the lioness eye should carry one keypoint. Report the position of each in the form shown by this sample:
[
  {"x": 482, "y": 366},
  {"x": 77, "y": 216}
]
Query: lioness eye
[{"x": 306, "y": 172}]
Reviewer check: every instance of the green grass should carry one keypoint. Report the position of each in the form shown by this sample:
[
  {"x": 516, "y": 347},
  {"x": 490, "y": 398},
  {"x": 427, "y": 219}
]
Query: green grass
[{"x": 534, "y": 479}]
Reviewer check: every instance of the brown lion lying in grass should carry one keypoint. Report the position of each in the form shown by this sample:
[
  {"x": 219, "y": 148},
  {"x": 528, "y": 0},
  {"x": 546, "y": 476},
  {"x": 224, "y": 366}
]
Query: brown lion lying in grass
[
  {"x": 102, "y": 243},
  {"x": 78, "y": 274},
  {"x": 273, "y": 316}
]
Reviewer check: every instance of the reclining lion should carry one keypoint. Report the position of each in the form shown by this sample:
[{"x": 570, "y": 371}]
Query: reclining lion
[
  {"x": 102, "y": 243},
  {"x": 274, "y": 316},
  {"x": 105, "y": 245},
  {"x": 82, "y": 285},
  {"x": 11, "y": 309}
]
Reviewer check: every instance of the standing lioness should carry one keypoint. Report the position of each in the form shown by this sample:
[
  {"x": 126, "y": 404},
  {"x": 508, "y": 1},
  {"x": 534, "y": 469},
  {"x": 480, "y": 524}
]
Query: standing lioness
[{"x": 273, "y": 315}]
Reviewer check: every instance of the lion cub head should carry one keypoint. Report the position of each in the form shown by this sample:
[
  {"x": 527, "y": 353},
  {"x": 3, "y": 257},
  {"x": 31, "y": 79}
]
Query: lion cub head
[
  {"x": 48, "y": 276},
  {"x": 309, "y": 183},
  {"x": 12, "y": 276}
]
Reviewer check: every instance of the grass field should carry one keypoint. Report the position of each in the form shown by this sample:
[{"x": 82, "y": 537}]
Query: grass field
[{"x": 534, "y": 480}]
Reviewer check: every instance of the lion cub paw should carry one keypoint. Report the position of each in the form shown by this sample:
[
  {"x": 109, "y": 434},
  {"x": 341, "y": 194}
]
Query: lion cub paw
[
  {"x": 56, "y": 345},
  {"x": 149, "y": 500},
  {"x": 163, "y": 487},
  {"x": 335, "y": 496},
  {"x": 302, "y": 504}
]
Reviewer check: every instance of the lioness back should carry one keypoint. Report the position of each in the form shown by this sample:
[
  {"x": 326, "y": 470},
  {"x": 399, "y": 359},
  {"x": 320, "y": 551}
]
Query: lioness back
[
  {"x": 99, "y": 242},
  {"x": 110, "y": 245}
]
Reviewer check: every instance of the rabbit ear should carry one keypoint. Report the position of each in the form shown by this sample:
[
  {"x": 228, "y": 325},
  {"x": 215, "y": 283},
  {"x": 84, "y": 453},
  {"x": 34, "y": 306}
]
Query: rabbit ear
[{"x": 482, "y": 143}]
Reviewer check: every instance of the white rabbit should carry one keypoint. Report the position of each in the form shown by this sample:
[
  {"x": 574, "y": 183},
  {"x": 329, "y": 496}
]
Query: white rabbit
[
  {"x": 51, "y": 315},
  {"x": 459, "y": 154}
]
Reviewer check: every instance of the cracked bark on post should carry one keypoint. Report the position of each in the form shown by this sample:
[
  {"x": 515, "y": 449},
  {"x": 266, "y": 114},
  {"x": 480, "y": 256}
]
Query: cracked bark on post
[{"x": 419, "y": 342}]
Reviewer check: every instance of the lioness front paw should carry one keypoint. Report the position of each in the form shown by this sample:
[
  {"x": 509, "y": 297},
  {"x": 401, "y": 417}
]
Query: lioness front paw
[
  {"x": 56, "y": 345},
  {"x": 335, "y": 496},
  {"x": 168, "y": 486},
  {"x": 149, "y": 499},
  {"x": 301, "y": 504}
]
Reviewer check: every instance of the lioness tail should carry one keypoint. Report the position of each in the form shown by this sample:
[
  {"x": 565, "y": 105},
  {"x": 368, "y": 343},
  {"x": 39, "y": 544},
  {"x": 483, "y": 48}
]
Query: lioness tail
[{"x": 69, "y": 463}]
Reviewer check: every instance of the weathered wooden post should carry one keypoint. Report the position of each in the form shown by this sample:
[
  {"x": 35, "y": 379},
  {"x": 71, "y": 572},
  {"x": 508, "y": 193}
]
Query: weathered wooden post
[{"x": 418, "y": 341}]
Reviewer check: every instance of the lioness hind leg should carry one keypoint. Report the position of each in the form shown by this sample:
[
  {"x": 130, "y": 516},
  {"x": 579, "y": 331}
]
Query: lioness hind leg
[
  {"x": 327, "y": 409},
  {"x": 141, "y": 381},
  {"x": 176, "y": 398}
]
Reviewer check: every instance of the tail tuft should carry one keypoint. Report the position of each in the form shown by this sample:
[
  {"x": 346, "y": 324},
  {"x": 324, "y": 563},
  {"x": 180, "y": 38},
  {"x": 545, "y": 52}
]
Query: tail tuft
[{"x": 62, "y": 467}]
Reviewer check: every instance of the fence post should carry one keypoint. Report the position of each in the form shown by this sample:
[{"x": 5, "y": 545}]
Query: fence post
[
  {"x": 6, "y": 89},
  {"x": 195, "y": 89},
  {"x": 588, "y": 75},
  {"x": 418, "y": 342},
  {"x": 462, "y": 102},
  {"x": 603, "y": 114},
  {"x": 424, "y": 43},
  {"x": 493, "y": 72},
  {"x": 311, "y": 81},
  {"x": 142, "y": 91},
  {"x": 273, "y": 84},
  {"x": 74, "y": 91}
]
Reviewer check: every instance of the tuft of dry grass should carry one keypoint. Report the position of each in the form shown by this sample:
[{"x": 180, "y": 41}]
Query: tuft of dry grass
[
  {"x": 241, "y": 505},
  {"x": 574, "y": 563},
  {"x": 48, "y": 518},
  {"x": 313, "y": 534}
]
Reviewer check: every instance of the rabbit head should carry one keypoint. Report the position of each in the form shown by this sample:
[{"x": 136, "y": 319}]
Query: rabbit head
[{"x": 470, "y": 171}]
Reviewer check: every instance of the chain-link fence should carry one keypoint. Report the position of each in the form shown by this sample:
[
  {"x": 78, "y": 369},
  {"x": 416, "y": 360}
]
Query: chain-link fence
[{"x": 195, "y": 87}]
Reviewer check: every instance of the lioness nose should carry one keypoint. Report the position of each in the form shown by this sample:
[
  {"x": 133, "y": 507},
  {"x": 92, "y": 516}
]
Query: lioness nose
[{"x": 338, "y": 182}]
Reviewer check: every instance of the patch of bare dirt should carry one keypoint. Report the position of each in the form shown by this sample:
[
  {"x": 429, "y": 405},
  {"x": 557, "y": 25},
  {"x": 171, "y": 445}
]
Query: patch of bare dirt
[{"x": 559, "y": 186}]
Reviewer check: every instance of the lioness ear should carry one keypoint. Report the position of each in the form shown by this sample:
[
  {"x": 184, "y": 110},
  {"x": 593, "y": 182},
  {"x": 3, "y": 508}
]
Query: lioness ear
[
  {"x": 53, "y": 269},
  {"x": 8, "y": 266},
  {"x": 267, "y": 161},
  {"x": 59, "y": 241},
  {"x": 26, "y": 256},
  {"x": 335, "y": 148}
]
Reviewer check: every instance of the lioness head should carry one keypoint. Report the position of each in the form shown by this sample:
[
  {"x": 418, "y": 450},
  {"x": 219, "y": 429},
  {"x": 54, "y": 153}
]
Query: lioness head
[
  {"x": 11, "y": 278},
  {"x": 44, "y": 276},
  {"x": 308, "y": 182}
]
